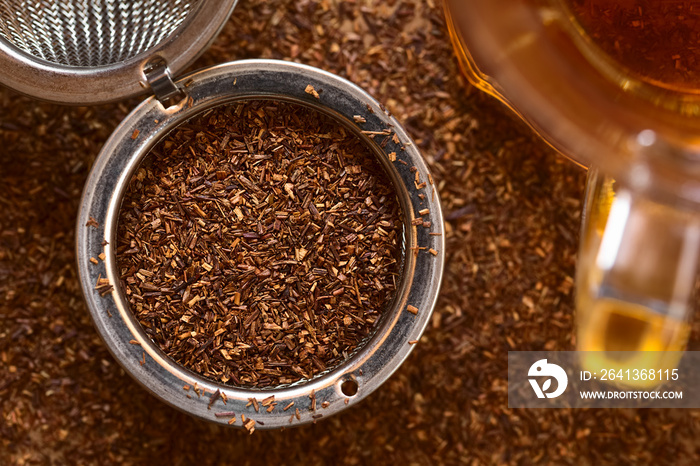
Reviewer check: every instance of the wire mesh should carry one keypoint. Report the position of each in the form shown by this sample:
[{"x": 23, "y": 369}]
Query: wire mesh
[{"x": 89, "y": 33}]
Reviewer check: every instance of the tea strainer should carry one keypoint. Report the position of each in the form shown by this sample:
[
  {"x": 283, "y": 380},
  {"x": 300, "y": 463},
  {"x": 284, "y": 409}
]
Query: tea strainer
[
  {"x": 43, "y": 51},
  {"x": 97, "y": 51}
]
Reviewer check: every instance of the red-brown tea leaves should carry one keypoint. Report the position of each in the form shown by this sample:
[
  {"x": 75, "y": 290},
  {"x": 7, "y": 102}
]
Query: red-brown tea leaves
[{"x": 259, "y": 243}]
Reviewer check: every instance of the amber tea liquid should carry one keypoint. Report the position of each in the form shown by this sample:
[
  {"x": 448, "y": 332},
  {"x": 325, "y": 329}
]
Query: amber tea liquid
[
  {"x": 649, "y": 50},
  {"x": 654, "y": 40}
]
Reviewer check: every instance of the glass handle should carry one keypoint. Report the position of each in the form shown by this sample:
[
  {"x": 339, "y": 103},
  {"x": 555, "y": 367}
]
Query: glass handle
[{"x": 636, "y": 274}]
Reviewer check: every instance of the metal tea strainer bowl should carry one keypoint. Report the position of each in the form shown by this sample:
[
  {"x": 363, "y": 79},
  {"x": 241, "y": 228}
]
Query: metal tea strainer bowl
[
  {"x": 95, "y": 51},
  {"x": 376, "y": 359}
]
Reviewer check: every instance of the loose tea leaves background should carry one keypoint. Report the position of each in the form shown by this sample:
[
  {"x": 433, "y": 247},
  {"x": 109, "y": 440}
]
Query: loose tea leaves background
[{"x": 512, "y": 210}]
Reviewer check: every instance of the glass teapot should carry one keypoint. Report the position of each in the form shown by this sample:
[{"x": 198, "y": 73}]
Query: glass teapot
[{"x": 613, "y": 85}]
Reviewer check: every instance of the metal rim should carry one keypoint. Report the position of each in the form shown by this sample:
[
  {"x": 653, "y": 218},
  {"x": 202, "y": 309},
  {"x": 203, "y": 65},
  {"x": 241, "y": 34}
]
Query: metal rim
[
  {"x": 374, "y": 362},
  {"x": 95, "y": 85}
]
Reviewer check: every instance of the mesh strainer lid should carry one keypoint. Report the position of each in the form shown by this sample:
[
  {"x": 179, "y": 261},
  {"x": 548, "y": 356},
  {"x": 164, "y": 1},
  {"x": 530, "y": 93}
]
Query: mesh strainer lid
[{"x": 95, "y": 51}]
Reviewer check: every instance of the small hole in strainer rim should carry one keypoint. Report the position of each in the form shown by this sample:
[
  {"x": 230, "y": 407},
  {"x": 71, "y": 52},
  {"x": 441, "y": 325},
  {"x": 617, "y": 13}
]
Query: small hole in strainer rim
[{"x": 349, "y": 387}]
